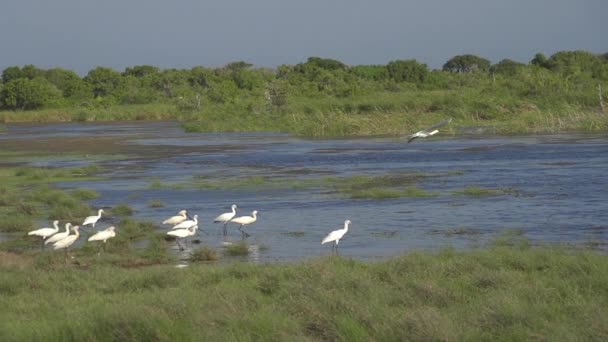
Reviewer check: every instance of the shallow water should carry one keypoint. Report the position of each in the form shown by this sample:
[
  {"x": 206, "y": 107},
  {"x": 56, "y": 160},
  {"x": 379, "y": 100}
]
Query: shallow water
[{"x": 559, "y": 185}]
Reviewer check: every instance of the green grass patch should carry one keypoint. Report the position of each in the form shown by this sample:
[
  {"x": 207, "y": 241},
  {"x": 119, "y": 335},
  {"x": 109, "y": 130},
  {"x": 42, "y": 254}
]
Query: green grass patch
[
  {"x": 205, "y": 254},
  {"x": 477, "y": 191},
  {"x": 156, "y": 204},
  {"x": 505, "y": 293},
  {"x": 85, "y": 194},
  {"x": 237, "y": 249},
  {"x": 122, "y": 210}
]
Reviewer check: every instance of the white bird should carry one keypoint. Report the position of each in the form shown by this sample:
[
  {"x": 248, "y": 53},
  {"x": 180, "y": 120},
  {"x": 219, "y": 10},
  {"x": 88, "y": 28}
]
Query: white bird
[
  {"x": 226, "y": 217},
  {"x": 183, "y": 233},
  {"x": 67, "y": 242},
  {"x": 245, "y": 220},
  {"x": 103, "y": 235},
  {"x": 429, "y": 131},
  {"x": 93, "y": 219},
  {"x": 187, "y": 224},
  {"x": 173, "y": 220},
  {"x": 59, "y": 236},
  {"x": 45, "y": 232},
  {"x": 336, "y": 235}
]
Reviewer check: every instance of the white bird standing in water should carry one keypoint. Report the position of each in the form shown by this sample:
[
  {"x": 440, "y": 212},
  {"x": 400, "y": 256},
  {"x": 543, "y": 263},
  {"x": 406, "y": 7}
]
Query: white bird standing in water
[
  {"x": 183, "y": 234},
  {"x": 45, "y": 232},
  {"x": 67, "y": 242},
  {"x": 179, "y": 218},
  {"x": 336, "y": 235},
  {"x": 59, "y": 236},
  {"x": 93, "y": 219},
  {"x": 245, "y": 220},
  {"x": 226, "y": 217},
  {"x": 186, "y": 224},
  {"x": 429, "y": 131}
]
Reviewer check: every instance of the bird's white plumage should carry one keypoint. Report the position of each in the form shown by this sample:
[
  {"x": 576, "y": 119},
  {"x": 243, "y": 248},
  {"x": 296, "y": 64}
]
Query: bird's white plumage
[
  {"x": 45, "y": 232},
  {"x": 336, "y": 235},
  {"x": 226, "y": 217},
  {"x": 68, "y": 241},
  {"x": 187, "y": 224},
  {"x": 103, "y": 235},
  {"x": 179, "y": 218},
  {"x": 183, "y": 233},
  {"x": 243, "y": 220},
  {"x": 429, "y": 131},
  {"x": 93, "y": 219},
  {"x": 59, "y": 236}
]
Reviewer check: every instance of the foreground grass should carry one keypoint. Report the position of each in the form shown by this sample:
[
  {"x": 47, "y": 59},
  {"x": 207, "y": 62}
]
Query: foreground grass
[{"x": 506, "y": 293}]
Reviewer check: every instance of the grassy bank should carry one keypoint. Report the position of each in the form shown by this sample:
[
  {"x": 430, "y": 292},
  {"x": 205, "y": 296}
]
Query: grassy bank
[
  {"x": 505, "y": 292},
  {"x": 381, "y": 113}
]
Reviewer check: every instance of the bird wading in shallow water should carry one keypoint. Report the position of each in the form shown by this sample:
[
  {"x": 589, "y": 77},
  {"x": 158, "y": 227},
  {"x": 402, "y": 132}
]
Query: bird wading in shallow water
[
  {"x": 179, "y": 218},
  {"x": 226, "y": 217},
  {"x": 336, "y": 235},
  {"x": 245, "y": 220}
]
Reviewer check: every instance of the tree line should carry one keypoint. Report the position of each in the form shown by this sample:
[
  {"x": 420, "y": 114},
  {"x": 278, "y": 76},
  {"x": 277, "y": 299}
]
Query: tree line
[{"x": 563, "y": 73}]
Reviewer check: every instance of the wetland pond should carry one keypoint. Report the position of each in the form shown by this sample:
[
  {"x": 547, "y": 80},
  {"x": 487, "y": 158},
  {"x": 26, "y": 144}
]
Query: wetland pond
[{"x": 448, "y": 191}]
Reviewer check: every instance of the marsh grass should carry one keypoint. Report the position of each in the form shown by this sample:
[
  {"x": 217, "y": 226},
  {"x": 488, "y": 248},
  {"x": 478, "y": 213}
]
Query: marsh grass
[
  {"x": 122, "y": 210},
  {"x": 504, "y": 292},
  {"x": 156, "y": 203},
  {"x": 205, "y": 254},
  {"x": 237, "y": 249},
  {"x": 85, "y": 194},
  {"x": 477, "y": 191}
]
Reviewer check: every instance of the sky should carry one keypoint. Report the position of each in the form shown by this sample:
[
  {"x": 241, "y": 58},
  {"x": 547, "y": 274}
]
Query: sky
[{"x": 82, "y": 34}]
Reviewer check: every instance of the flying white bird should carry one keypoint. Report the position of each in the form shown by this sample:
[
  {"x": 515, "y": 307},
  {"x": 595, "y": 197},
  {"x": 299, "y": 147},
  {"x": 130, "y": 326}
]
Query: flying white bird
[
  {"x": 429, "y": 131},
  {"x": 245, "y": 220},
  {"x": 173, "y": 220},
  {"x": 45, "y": 232},
  {"x": 226, "y": 217},
  {"x": 336, "y": 235},
  {"x": 186, "y": 224},
  {"x": 59, "y": 236},
  {"x": 93, "y": 219}
]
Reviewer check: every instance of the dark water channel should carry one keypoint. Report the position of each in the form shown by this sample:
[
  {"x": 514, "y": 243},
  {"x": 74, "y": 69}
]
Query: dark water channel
[{"x": 558, "y": 185}]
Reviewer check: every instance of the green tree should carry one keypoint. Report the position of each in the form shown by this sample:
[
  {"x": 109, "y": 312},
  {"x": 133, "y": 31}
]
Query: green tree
[
  {"x": 371, "y": 72},
  {"x": 506, "y": 67},
  {"x": 104, "y": 81},
  {"x": 23, "y": 93},
  {"x": 407, "y": 71},
  {"x": 69, "y": 83},
  {"x": 466, "y": 63},
  {"x": 11, "y": 73},
  {"x": 141, "y": 71},
  {"x": 576, "y": 62},
  {"x": 30, "y": 71},
  {"x": 539, "y": 60}
]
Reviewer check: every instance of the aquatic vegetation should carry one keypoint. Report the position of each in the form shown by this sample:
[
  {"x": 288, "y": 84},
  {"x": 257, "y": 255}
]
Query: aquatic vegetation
[
  {"x": 477, "y": 191},
  {"x": 156, "y": 204},
  {"x": 121, "y": 210},
  {"x": 85, "y": 194},
  {"x": 205, "y": 254},
  {"x": 237, "y": 249}
]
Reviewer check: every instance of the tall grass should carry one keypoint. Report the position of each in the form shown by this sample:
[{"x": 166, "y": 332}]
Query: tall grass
[{"x": 505, "y": 293}]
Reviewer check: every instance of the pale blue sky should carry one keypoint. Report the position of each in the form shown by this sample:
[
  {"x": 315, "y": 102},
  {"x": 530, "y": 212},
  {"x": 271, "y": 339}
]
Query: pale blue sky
[{"x": 82, "y": 34}]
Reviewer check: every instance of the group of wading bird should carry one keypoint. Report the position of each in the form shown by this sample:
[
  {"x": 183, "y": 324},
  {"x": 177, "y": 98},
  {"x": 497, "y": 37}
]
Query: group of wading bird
[{"x": 184, "y": 226}]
